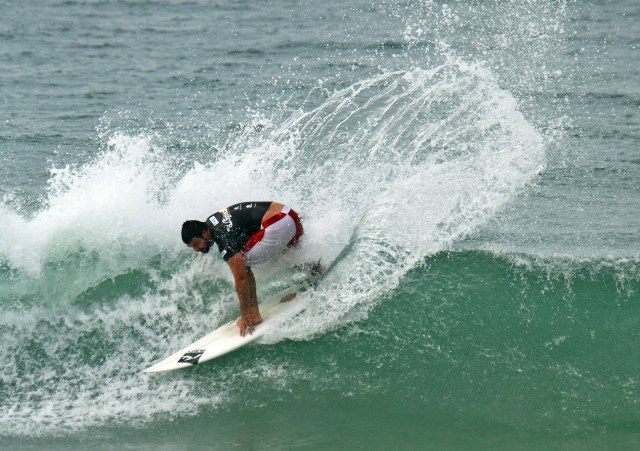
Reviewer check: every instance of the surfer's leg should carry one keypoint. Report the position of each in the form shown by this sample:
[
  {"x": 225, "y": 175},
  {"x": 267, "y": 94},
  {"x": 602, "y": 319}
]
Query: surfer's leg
[{"x": 272, "y": 240}]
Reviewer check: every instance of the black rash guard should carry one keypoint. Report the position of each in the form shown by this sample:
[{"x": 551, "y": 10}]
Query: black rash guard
[{"x": 233, "y": 226}]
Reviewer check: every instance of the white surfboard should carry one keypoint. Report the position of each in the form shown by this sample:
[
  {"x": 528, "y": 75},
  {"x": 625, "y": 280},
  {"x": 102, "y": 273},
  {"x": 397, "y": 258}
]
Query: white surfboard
[{"x": 227, "y": 338}]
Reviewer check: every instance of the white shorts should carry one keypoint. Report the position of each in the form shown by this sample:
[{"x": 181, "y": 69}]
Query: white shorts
[{"x": 276, "y": 234}]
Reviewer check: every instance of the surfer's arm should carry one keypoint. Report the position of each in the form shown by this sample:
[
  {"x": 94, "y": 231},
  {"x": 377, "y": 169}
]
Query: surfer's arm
[{"x": 245, "y": 284}]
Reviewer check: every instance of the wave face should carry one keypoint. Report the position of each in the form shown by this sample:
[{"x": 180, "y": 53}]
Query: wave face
[
  {"x": 465, "y": 165},
  {"x": 394, "y": 168}
]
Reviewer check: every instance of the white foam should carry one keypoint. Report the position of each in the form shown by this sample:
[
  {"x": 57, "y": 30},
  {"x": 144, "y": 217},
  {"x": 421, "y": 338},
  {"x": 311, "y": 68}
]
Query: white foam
[
  {"x": 439, "y": 153},
  {"x": 398, "y": 166}
]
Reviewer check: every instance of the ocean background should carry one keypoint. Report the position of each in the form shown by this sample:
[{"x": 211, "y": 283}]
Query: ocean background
[{"x": 472, "y": 166}]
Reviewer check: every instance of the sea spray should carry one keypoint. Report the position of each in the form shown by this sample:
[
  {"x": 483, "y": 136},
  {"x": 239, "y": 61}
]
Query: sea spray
[
  {"x": 418, "y": 159},
  {"x": 395, "y": 168}
]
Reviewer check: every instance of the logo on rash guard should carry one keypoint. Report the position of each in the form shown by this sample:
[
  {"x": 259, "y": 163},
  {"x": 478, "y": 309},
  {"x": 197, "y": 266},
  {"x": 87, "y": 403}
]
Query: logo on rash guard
[{"x": 226, "y": 219}]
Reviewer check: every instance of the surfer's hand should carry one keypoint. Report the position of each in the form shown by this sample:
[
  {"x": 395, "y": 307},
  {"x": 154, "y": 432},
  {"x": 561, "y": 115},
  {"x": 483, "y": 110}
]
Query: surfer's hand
[
  {"x": 247, "y": 325},
  {"x": 244, "y": 326}
]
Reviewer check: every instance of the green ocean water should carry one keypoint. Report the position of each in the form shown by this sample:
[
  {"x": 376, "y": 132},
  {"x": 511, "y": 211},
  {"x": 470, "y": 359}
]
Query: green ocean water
[
  {"x": 472, "y": 166},
  {"x": 472, "y": 350}
]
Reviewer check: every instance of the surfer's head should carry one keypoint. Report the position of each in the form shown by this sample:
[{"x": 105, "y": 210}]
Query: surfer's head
[{"x": 197, "y": 235}]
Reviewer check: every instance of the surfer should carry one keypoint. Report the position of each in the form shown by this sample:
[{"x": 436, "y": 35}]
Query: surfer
[{"x": 247, "y": 234}]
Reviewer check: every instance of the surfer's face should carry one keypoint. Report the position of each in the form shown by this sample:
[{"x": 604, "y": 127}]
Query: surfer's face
[{"x": 199, "y": 245}]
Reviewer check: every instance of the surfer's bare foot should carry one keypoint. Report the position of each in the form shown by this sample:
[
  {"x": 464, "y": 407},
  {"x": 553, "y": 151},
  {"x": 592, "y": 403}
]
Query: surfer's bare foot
[
  {"x": 288, "y": 297},
  {"x": 317, "y": 269},
  {"x": 312, "y": 268}
]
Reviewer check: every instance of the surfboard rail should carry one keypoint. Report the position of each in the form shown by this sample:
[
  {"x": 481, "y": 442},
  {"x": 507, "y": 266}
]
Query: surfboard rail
[{"x": 227, "y": 338}]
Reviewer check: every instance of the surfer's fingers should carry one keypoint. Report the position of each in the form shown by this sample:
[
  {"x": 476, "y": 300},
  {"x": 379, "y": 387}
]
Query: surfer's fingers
[{"x": 245, "y": 326}]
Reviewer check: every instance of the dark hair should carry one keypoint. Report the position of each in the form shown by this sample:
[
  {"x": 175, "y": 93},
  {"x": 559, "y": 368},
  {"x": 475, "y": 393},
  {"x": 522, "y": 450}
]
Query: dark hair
[{"x": 192, "y": 229}]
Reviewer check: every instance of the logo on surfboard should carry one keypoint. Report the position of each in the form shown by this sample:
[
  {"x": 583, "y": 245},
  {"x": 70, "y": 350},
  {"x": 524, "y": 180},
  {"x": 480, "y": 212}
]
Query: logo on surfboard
[{"x": 191, "y": 357}]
